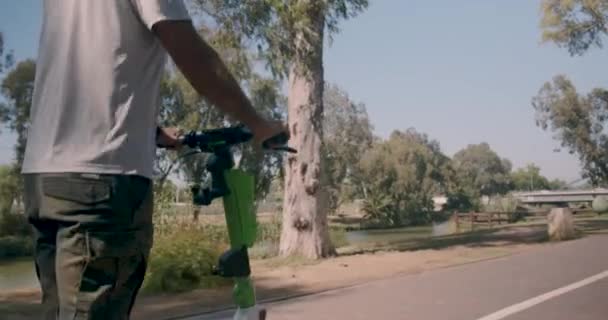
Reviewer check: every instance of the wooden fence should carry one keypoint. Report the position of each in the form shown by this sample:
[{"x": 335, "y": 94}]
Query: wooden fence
[
  {"x": 485, "y": 218},
  {"x": 490, "y": 219}
]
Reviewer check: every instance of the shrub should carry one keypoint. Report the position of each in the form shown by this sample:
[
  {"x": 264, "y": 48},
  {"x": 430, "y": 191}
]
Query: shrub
[
  {"x": 183, "y": 261},
  {"x": 264, "y": 250},
  {"x": 13, "y": 224},
  {"x": 269, "y": 231},
  {"x": 378, "y": 210},
  {"x": 184, "y": 253},
  {"x": 15, "y": 247},
  {"x": 338, "y": 236},
  {"x": 402, "y": 174},
  {"x": 462, "y": 201},
  {"x": 503, "y": 204},
  {"x": 15, "y": 236},
  {"x": 388, "y": 211}
]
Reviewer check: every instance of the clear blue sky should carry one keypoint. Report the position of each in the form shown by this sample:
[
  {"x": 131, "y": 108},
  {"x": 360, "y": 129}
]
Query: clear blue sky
[{"x": 461, "y": 71}]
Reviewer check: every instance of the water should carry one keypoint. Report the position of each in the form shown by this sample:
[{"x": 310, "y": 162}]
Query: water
[
  {"x": 385, "y": 236},
  {"x": 359, "y": 237},
  {"x": 17, "y": 274}
]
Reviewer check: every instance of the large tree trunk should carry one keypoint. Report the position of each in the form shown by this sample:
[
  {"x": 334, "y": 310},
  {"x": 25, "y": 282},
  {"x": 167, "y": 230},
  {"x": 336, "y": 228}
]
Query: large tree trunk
[{"x": 305, "y": 230}]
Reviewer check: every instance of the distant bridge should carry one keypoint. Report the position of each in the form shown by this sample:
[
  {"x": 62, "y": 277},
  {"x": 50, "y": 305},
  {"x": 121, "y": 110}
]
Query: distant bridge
[{"x": 556, "y": 197}]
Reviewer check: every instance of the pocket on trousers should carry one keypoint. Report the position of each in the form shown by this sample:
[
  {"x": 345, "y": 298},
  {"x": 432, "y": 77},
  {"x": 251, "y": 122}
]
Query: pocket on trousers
[{"x": 84, "y": 191}]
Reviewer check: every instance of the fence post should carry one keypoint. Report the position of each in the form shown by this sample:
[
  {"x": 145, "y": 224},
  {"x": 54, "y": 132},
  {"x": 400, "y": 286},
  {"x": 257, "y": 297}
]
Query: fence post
[{"x": 472, "y": 217}]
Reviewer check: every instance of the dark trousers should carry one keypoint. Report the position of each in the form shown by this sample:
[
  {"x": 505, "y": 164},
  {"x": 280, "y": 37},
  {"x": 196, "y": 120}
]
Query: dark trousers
[{"x": 93, "y": 235}]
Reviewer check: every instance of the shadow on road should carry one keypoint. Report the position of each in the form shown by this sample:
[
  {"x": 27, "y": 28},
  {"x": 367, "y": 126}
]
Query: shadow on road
[
  {"x": 21, "y": 306},
  {"x": 156, "y": 307},
  {"x": 197, "y": 302}
]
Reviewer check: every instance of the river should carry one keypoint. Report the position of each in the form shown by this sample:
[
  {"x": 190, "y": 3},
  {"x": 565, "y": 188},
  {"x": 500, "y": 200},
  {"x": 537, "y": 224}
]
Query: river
[
  {"x": 385, "y": 236},
  {"x": 378, "y": 236}
]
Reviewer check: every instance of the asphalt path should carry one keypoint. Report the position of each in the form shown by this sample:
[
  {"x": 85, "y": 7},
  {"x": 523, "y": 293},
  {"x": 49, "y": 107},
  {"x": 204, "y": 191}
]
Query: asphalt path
[{"x": 560, "y": 281}]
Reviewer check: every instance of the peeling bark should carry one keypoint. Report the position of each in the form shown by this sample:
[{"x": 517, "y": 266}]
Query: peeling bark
[{"x": 305, "y": 229}]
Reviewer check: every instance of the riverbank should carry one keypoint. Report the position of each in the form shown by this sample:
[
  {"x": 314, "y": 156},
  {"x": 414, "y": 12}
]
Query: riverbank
[{"x": 278, "y": 278}]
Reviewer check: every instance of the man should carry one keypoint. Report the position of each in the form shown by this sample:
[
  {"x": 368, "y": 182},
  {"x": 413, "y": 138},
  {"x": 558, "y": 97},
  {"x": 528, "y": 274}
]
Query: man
[{"x": 89, "y": 156}]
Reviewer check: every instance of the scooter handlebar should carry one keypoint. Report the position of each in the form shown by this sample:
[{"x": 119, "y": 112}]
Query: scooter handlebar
[{"x": 211, "y": 140}]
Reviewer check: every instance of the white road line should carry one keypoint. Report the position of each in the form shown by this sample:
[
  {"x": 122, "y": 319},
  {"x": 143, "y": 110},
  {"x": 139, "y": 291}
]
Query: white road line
[{"x": 501, "y": 314}]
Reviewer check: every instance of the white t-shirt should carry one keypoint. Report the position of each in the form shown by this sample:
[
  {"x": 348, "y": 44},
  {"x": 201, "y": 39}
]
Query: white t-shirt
[{"x": 96, "y": 94}]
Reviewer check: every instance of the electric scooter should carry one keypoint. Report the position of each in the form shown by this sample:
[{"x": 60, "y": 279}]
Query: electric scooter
[{"x": 236, "y": 188}]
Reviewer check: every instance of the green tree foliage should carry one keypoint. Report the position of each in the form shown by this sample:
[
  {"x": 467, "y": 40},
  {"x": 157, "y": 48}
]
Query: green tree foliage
[
  {"x": 6, "y": 59},
  {"x": 348, "y": 134},
  {"x": 17, "y": 89},
  {"x": 481, "y": 172},
  {"x": 1, "y": 51},
  {"x": 558, "y": 184},
  {"x": 181, "y": 106},
  {"x": 272, "y": 25},
  {"x": 578, "y": 122},
  {"x": 265, "y": 166},
  {"x": 402, "y": 175},
  {"x": 14, "y": 227},
  {"x": 170, "y": 114},
  {"x": 506, "y": 203},
  {"x": 575, "y": 24},
  {"x": 462, "y": 200},
  {"x": 529, "y": 178},
  {"x": 9, "y": 186}
]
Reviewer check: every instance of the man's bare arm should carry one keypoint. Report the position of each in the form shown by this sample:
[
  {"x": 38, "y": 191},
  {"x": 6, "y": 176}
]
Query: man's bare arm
[{"x": 208, "y": 74}]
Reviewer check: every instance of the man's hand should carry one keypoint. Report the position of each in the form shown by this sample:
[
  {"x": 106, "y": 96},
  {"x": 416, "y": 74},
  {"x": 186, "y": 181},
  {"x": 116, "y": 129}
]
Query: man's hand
[{"x": 168, "y": 138}]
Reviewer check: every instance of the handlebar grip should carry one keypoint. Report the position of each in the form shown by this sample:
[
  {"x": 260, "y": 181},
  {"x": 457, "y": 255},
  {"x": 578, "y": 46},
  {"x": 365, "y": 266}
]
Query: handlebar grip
[
  {"x": 279, "y": 139},
  {"x": 280, "y": 143}
]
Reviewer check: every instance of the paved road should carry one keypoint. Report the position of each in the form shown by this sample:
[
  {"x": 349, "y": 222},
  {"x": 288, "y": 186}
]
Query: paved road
[{"x": 560, "y": 282}]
